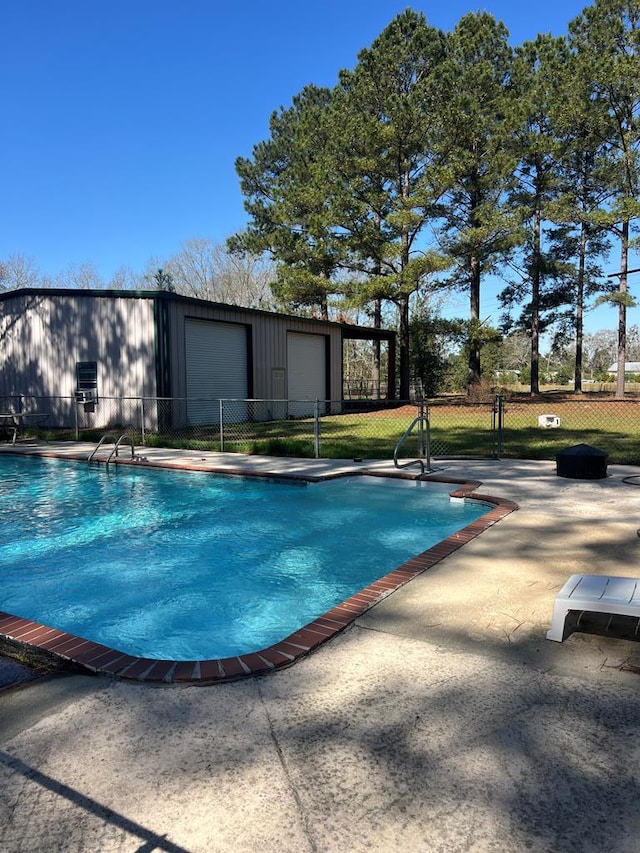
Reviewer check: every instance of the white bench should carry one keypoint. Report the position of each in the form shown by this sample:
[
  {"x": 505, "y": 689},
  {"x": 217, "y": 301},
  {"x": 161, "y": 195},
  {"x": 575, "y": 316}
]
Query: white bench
[{"x": 594, "y": 594}]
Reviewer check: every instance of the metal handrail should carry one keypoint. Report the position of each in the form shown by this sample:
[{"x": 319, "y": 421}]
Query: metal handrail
[
  {"x": 114, "y": 452},
  {"x": 425, "y": 448},
  {"x": 97, "y": 447}
]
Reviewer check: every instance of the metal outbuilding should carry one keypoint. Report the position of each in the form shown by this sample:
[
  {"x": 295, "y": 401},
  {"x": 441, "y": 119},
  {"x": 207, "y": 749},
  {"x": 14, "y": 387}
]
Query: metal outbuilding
[{"x": 88, "y": 344}]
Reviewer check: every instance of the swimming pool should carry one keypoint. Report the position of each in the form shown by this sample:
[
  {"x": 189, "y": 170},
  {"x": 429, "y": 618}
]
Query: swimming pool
[{"x": 188, "y": 566}]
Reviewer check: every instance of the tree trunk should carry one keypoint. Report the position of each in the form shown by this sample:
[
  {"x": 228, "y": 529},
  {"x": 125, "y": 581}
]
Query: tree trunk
[
  {"x": 577, "y": 373},
  {"x": 324, "y": 308},
  {"x": 403, "y": 311},
  {"x": 377, "y": 324},
  {"x": 535, "y": 304},
  {"x": 403, "y": 305},
  {"x": 474, "y": 372},
  {"x": 622, "y": 309}
]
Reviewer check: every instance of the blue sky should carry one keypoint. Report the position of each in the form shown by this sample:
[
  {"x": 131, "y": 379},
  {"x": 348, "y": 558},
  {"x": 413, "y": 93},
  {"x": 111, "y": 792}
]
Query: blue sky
[{"x": 122, "y": 119}]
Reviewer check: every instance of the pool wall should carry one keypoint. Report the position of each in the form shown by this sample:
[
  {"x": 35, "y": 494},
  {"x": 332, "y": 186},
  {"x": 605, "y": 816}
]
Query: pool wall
[{"x": 26, "y": 639}]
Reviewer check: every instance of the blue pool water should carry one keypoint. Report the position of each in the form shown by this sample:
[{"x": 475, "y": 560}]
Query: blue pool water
[{"x": 184, "y": 566}]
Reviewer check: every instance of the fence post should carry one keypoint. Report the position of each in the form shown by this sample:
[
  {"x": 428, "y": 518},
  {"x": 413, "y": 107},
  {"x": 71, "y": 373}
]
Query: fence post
[
  {"x": 142, "y": 419},
  {"x": 221, "y": 425},
  {"x": 75, "y": 416},
  {"x": 421, "y": 443},
  {"x": 316, "y": 430},
  {"x": 498, "y": 424},
  {"x": 424, "y": 435}
]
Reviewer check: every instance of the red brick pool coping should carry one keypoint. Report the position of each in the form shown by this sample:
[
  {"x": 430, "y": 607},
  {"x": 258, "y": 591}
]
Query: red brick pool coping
[{"x": 102, "y": 660}]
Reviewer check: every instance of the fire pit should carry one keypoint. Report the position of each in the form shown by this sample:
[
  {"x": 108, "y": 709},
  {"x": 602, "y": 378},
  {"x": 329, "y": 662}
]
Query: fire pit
[{"x": 582, "y": 462}]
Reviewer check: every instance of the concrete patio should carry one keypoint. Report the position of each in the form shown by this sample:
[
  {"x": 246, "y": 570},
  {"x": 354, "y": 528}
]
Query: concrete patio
[{"x": 441, "y": 720}]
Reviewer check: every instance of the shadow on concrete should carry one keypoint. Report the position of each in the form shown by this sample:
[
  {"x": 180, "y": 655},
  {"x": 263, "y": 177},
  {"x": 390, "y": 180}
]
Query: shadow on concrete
[{"x": 150, "y": 839}]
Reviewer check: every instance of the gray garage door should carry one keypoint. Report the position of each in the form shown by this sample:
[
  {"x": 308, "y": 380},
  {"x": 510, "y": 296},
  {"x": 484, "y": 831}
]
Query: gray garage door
[
  {"x": 306, "y": 372},
  {"x": 216, "y": 357}
]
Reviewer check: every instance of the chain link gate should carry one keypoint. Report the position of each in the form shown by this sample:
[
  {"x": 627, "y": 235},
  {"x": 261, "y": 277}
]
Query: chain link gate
[{"x": 463, "y": 429}]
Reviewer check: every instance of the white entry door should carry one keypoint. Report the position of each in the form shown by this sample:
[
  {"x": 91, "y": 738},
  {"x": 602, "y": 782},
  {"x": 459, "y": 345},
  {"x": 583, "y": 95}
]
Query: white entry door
[{"x": 306, "y": 372}]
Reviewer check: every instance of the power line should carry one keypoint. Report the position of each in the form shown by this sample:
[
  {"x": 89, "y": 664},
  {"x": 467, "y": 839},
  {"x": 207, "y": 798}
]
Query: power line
[{"x": 618, "y": 274}]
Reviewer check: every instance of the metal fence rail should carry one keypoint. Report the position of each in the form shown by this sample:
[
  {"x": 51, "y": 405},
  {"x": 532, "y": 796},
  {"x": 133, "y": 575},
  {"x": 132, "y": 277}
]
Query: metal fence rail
[{"x": 516, "y": 427}]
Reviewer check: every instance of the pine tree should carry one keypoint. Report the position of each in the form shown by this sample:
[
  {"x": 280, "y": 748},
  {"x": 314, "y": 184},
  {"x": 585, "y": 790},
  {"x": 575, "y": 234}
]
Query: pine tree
[
  {"x": 579, "y": 239},
  {"x": 536, "y": 81},
  {"x": 387, "y": 182},
  {"x": 285, "y": 189},
  {"x": 476, "y": 143},
  {"x": 606, "y": 37}
]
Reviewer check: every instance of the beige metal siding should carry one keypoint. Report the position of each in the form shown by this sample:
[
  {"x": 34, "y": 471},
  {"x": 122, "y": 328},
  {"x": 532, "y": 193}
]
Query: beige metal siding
[
  {"x": 268, "y": 345},
  {"x": 43, "y": 336}
]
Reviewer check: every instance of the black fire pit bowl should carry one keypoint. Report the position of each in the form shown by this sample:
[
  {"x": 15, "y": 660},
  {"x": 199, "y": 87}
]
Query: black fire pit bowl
[{"x": 582, "y": 462}]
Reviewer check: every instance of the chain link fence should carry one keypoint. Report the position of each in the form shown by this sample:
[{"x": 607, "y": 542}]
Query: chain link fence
[
  {"x": 538, "y": 429},
  {"x": 499, "y": 427}
]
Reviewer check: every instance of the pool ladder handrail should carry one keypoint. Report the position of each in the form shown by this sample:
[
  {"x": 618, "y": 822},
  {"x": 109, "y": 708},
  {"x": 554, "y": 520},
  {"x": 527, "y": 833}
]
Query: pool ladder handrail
[
  {"x": 114, "y": 452},
  {"x": 423, "y": 420}
]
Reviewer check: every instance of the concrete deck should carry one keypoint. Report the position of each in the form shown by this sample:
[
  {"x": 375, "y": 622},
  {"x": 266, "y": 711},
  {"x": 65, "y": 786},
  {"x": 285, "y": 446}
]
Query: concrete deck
[{"x": 442, "y": 719}]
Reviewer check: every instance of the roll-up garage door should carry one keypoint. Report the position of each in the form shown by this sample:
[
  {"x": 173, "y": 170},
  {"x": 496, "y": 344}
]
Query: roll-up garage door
[
  {"x": 306, "y": 372},
  {"x": 216, "y": 359}
]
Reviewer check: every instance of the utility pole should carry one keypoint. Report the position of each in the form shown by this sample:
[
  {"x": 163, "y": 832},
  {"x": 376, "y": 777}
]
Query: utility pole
[{"x": 623, "y": 301}]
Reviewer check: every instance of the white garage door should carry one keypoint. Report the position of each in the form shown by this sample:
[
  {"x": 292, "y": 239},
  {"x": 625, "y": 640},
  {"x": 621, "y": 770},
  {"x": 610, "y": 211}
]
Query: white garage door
[
  {"x": 306, "y": 372},
  {"x": 216, "y": 357}
]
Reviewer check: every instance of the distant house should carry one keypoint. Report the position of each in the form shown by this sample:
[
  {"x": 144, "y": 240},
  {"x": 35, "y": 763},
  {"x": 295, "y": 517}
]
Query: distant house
[
  {"x": 629, "y": 367},
  {"x": 77, "y": 347}
]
